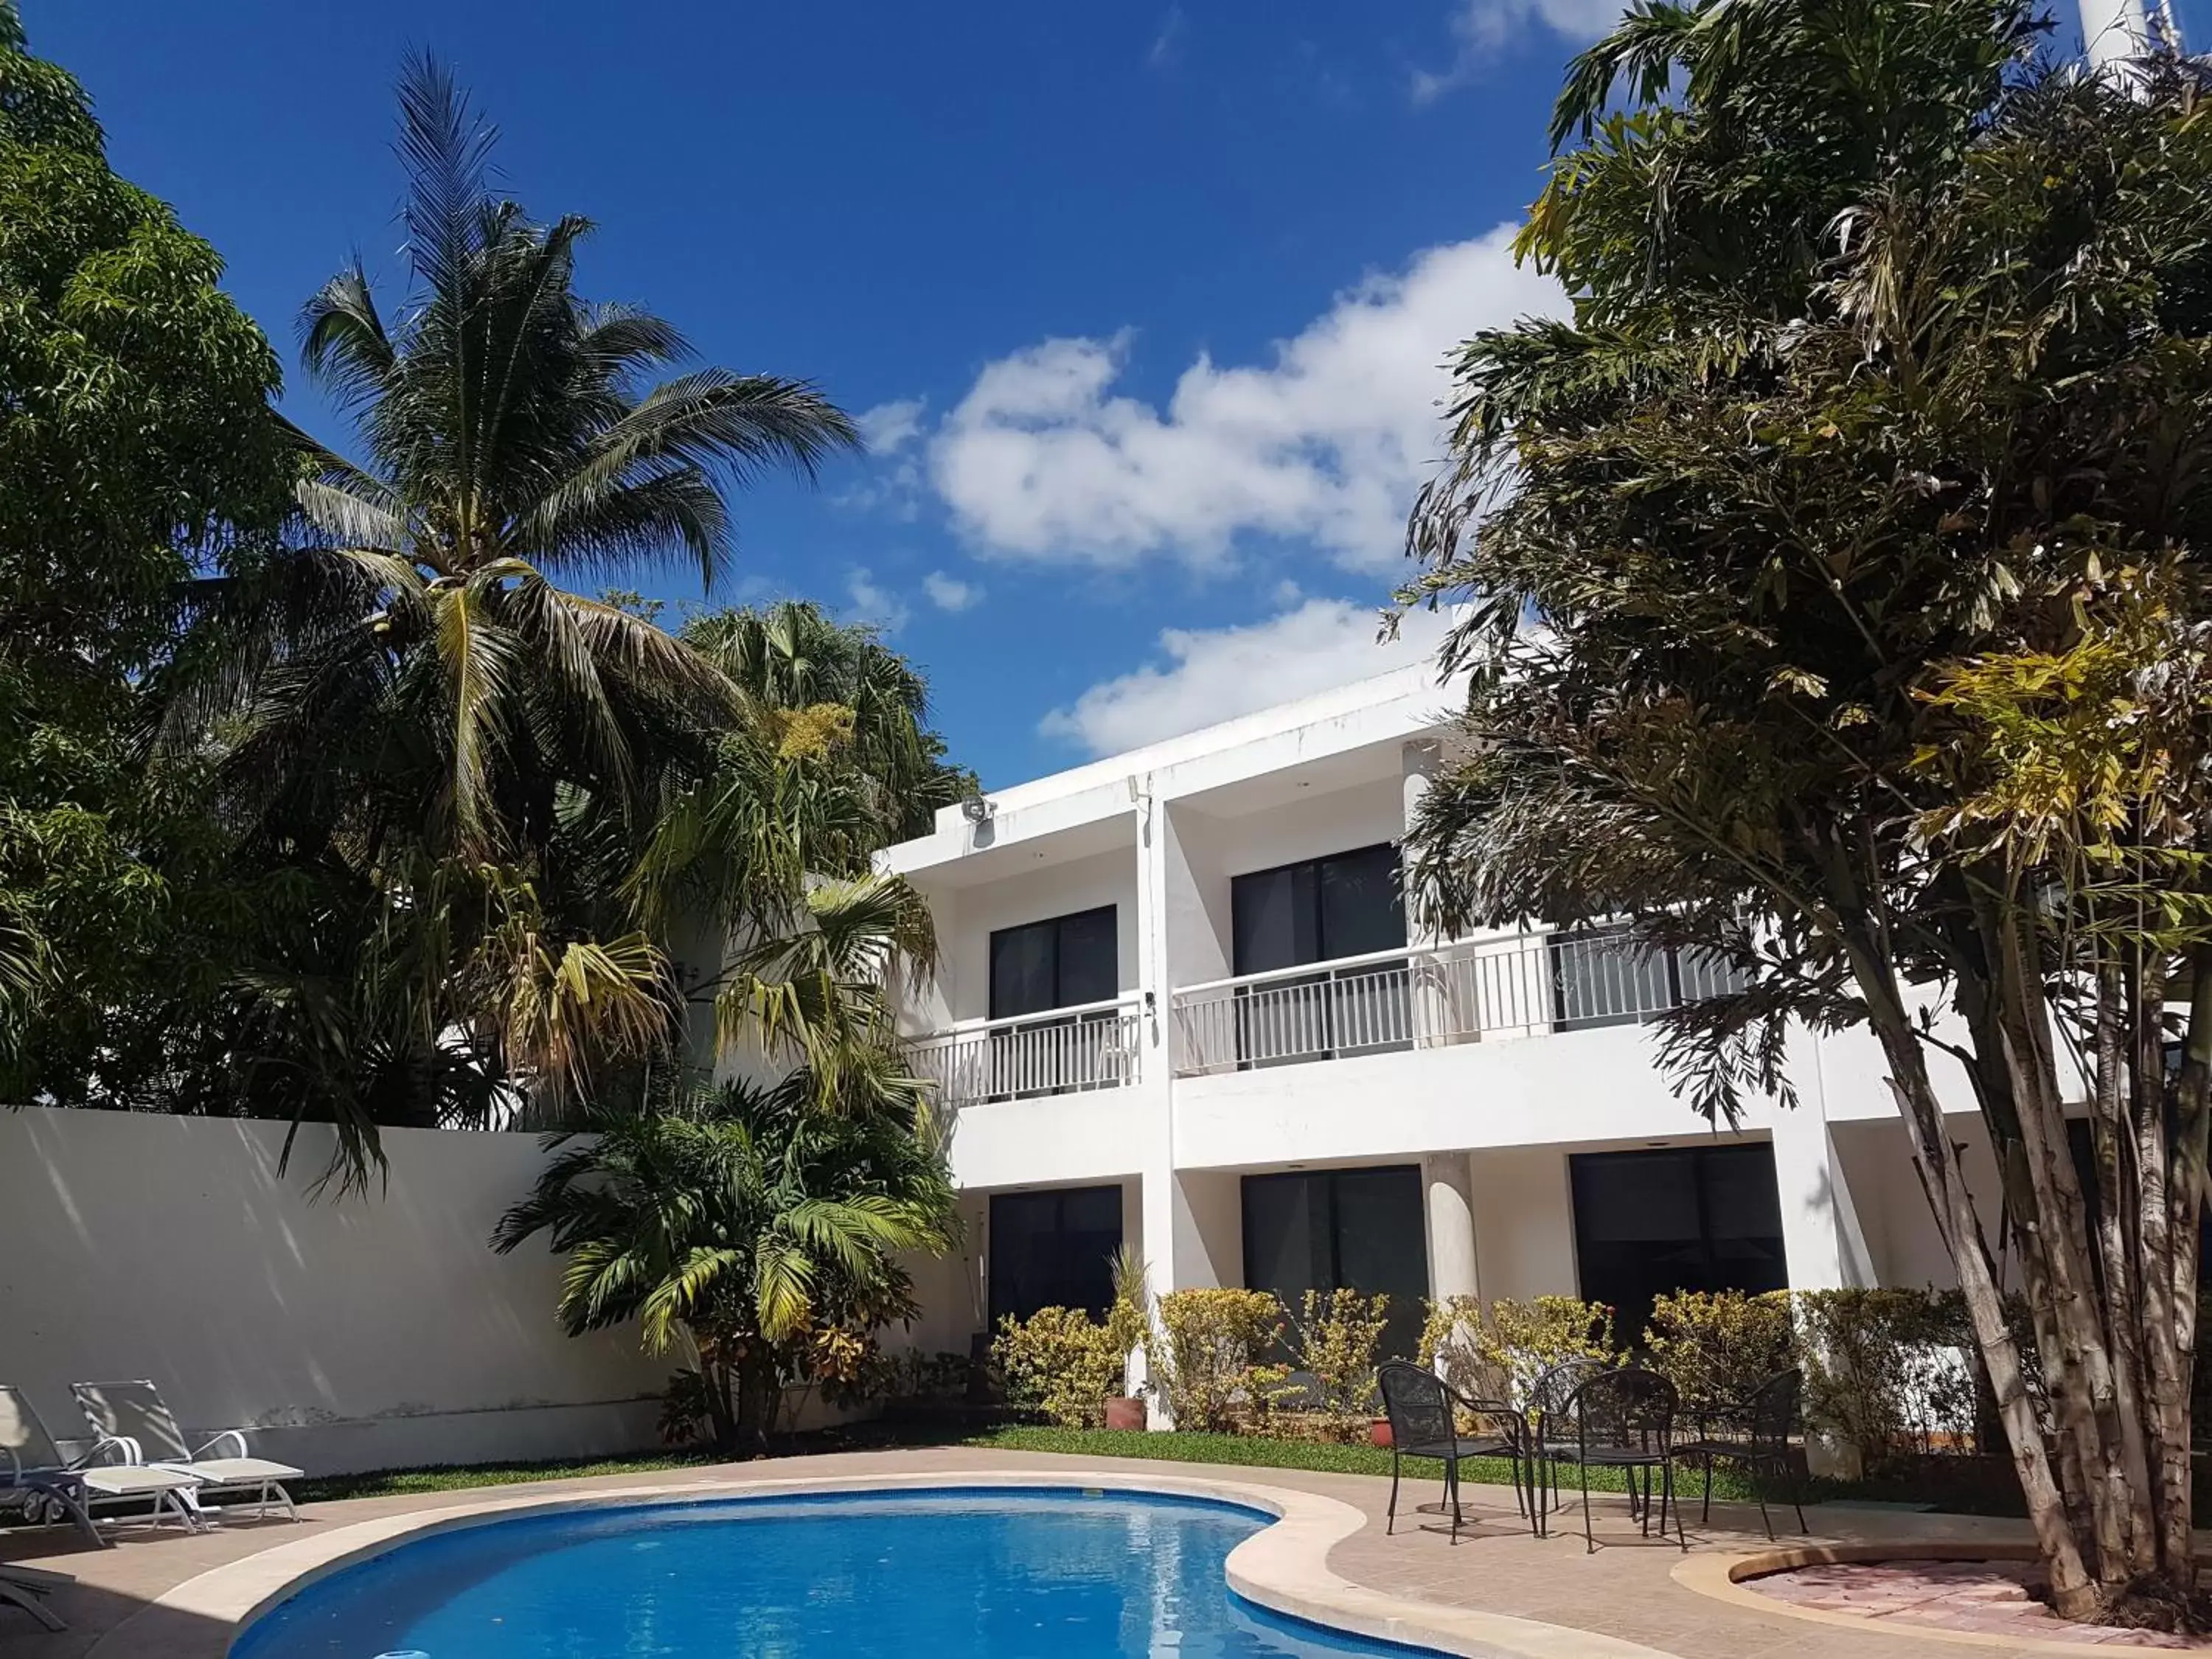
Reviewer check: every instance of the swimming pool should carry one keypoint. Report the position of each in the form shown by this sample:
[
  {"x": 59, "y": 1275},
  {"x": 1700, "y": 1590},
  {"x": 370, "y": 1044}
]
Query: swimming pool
[{"x": 984, "y": 1573}]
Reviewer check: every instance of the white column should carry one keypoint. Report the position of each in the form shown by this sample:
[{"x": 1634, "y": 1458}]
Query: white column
[
  {"x": 1417, "y": 763},
  {"x": 1447, "y": 1183},
  {"x": 1820, "y": 1233},
  {"x": 1152, "y": 1103},
  {"x": 2113, "y": 32}
]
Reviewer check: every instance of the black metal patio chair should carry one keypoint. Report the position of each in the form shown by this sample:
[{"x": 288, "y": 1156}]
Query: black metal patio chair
[
  {"x": 1756, "y": 1434},
  {"x": 1624, "y": 1419},
  {"x": 1546, "y": 1413},
  {"x": 1424, "y": 1416}
]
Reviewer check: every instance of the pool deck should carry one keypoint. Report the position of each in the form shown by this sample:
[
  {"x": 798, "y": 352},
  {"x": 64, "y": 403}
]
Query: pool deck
[{"x": 1576, "y": 1605}]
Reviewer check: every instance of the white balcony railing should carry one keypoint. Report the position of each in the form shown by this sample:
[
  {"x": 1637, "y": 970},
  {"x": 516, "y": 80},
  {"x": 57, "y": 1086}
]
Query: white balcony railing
[
  {"x": 1431, "y": 996},
  {"x": 1091, "y": 1047}
]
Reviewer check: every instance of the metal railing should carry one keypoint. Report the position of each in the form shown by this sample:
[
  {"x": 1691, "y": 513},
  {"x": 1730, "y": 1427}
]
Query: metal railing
[
  {"x": 1431, "y": 996},
  {"x": 1094, "y": 1046}
]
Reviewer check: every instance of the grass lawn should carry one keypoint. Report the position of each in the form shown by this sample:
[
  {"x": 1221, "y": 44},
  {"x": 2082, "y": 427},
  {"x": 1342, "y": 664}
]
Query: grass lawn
[{"x": 1245, "y": 1451}]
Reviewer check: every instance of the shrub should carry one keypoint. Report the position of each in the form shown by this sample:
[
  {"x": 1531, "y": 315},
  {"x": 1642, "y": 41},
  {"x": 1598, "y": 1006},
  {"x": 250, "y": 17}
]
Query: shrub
[
  {"x": 1338, "y": 1338},
  {"x": 1519, "y": 1342},
  {"x": 1449, "y": 1347},
  {"x": 1060, "y": 1362},
  {"x": 1891, "y": 1371},
  {"x": 1203, "y": 1360},
  {"x": 1718, "y": 1347}
]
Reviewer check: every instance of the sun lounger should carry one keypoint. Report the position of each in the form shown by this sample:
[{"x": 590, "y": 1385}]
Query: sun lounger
[
  {"x": 134, "y": 1416},
  {"x": 25, "y": 1587},
  {"x": 32, "y": 1465}
]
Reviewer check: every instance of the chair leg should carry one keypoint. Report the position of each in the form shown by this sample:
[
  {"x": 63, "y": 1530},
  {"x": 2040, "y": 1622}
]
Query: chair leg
[
  {"x": 1390, "y": 1514},
  {"x": 1666, "y": 1481},
  {"x": 1759, "y": 1490},
  {"x": 1705, "y": 1515},
  {"x": 1451, "y": 1483},
  {"x": 1797, "y": 1495},
  {"x": 30, "y": 1601},
  {"x": 1590, "y": 1535}
]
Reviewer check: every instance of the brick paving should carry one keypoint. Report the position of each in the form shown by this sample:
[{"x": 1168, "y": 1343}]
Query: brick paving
[
  {"x": 1623, "y": 1590},
  {"x": 1996, "y": 1597}
]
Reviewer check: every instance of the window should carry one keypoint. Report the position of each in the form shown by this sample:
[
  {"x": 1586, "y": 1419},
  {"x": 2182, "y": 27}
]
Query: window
[
  {"x": 1320, "y": 910},
  {"x": 1066, "y": 962},
  {"x": 1063, "y": 963},
  {"x": 1330, "y": 1229},
  {"x": 1683, "y": 1218},
  {"x": 1053, "y": 1249},
  {"x": 1603, "y": 978},
  {"x": 1345, "y": 905}
]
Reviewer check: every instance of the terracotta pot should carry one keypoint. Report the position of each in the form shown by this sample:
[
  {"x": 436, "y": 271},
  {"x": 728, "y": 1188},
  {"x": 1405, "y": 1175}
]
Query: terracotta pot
[
  {"x": 1125, "y": 1413},
  {"x": 1378, "y": 1433}
]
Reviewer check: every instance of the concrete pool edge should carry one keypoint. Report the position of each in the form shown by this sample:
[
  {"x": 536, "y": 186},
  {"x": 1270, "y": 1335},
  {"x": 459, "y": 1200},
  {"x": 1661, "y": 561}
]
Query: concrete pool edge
[{"x": 1284, "y": 1567}]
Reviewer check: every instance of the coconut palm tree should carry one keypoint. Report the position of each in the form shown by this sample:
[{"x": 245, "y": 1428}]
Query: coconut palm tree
[
  {"x": 748, "y": 1226},
  {"x": 416, "y": 665}
]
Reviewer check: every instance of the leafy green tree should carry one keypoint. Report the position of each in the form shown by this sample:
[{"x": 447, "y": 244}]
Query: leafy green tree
[
  {"x": 136, "y": 448},
  {"x": 1855, "y": 510},
  {"x": 751, "y": 1227}
]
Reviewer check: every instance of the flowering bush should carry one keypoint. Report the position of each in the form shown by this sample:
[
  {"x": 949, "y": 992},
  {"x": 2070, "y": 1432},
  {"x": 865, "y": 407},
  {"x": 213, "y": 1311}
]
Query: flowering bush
[
  {"x": 1521, "y": 1341},
  {"x": 1205, "y": 1356},
  {"x": 1717, "y": 1347},
  {"x": 1338, "y": 1338},
  {"x": 1060, "y": 1362}
]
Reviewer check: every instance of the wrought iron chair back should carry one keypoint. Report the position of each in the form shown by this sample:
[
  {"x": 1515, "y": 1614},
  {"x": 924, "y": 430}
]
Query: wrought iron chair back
[
  {"x": 1630, "y": 1409},
  {"x": 1775, "y": 1413},
  {"x": 1417, "y": 1403}
]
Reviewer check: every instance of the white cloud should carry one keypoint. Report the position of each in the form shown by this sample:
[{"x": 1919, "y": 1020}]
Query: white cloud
[
  {"x": 1167, "y": 44},
  {"x": 889, "y": 428},
  {"x": 1482, "y": 29},
  {"x": 1327, "y": 443},
  {"x": 874, "y": 604},
  {"x": 950, "y": 592},
  {"x": 1217, "y": 673}
]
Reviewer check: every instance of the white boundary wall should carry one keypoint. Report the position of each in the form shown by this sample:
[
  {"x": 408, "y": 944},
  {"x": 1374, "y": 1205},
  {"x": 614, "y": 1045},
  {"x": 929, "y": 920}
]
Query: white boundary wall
[{"x": 372, "y": 1331}]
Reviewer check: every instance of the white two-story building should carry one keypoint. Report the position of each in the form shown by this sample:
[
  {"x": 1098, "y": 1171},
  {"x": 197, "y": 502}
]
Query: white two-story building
[{"x": 1178, "y": 1005}]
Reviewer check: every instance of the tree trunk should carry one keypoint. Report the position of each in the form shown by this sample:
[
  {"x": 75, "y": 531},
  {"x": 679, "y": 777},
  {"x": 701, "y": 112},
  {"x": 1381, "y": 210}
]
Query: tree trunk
[
  {"x": 758, "y": 1394},
  {"x": 2074, "y": 1594}
]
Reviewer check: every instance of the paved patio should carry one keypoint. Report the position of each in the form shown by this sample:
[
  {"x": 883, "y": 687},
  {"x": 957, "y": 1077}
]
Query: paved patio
[{"x": 1625, "y": 1591}]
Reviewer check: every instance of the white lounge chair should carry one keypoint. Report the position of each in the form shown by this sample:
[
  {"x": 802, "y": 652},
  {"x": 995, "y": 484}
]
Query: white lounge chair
[
  {"x": 23, "y": 1587},
  {"x": 134, "y": 1416},
  {"x": 32, "y": 1465}
]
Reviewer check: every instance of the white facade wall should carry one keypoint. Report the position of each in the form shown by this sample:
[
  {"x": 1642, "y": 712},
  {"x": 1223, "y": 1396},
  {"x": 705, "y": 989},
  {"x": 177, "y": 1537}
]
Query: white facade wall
[
  {"x": 1492, "y": 1118},
  {"x": 377, "y": 1330}
]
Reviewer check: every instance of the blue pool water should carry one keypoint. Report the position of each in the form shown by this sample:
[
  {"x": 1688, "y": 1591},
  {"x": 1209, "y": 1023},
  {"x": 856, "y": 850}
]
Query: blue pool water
[{"x": 980, "y": 1574}]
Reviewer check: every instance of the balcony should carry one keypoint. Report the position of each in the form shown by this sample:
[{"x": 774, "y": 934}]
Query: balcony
[
  {"x": 1433, "y": 996},
  {"x": 1094, "y": 1046}
]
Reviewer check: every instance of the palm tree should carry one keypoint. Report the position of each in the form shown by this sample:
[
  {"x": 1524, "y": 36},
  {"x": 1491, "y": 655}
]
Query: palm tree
[
  {"x": 447, "y": 759},
  {"x": 791, "y": 657},
  {"x": 751, "y": 1226},
  {"x": 416, "y": 667}
]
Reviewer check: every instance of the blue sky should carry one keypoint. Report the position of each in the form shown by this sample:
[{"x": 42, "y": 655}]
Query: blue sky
[{"x": 1144, "y": 301}]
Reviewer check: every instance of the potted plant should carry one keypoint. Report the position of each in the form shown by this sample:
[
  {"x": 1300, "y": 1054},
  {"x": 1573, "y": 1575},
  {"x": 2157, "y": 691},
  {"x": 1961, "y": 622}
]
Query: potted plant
[{"x": 1128, "y": 1325}]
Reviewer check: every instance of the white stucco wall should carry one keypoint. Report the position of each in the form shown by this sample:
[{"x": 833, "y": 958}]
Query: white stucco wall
[
  {"x": 965, "y": 928},
  {"x": 371, "y": 1332}
]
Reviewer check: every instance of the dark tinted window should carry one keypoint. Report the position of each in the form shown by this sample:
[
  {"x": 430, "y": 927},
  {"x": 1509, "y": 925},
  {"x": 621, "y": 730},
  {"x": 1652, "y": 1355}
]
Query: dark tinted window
[
  {"x": 1345, "y": 905},
  {"x": 1053, "y": 1249},
  {"x": 1062, "y": 962},
  {"x": 1359, "y": 1229},
  {"x": 1683, "y": 1218}
]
